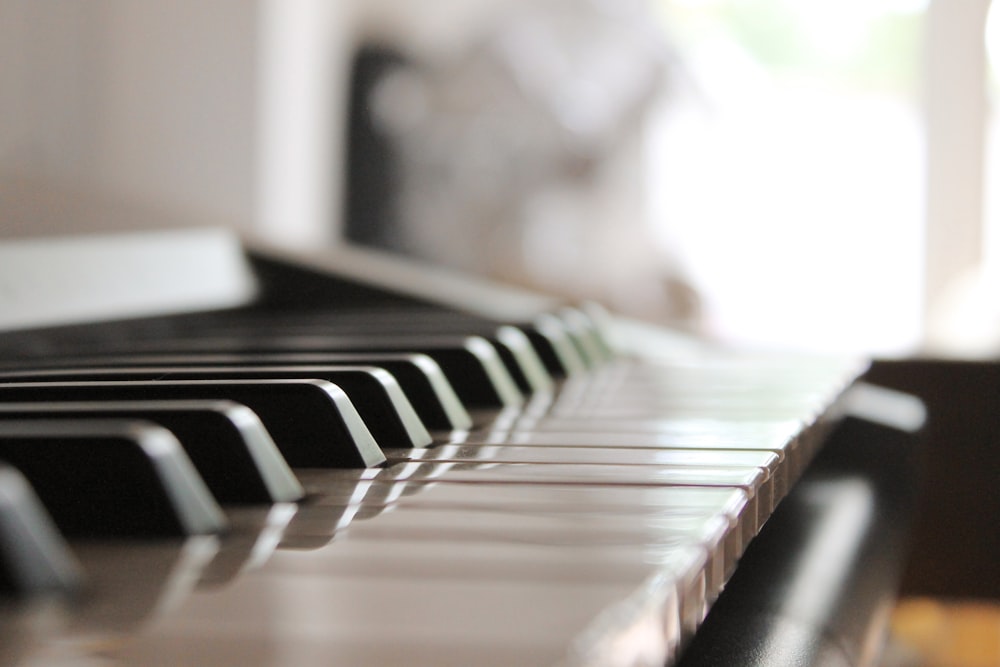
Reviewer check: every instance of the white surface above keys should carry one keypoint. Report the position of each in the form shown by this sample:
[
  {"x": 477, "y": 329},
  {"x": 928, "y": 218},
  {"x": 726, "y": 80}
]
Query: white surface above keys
[{"x": 45, "y": 282}]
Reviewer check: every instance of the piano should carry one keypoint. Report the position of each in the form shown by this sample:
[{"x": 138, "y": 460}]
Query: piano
[{"x": 218, "y": 452}]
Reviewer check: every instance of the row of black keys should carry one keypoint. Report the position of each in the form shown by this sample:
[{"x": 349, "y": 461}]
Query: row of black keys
[{"x": 149, "y": 444}]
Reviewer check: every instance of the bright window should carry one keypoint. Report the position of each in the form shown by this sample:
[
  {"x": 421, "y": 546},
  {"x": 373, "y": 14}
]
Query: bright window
[{"x": 788, "y": 168}]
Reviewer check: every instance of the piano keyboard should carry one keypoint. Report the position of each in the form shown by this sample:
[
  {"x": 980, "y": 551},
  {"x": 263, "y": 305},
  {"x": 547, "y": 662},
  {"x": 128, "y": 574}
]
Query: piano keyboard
[{"x": 338, "y": 471}]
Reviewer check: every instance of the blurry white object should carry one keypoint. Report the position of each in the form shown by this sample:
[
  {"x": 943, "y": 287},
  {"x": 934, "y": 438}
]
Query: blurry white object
[{"x": 521, "y": 150}]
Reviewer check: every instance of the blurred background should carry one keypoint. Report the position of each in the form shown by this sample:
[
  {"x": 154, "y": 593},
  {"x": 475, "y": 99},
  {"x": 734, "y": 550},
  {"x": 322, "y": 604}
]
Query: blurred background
[{"x": 814, "y": 173}]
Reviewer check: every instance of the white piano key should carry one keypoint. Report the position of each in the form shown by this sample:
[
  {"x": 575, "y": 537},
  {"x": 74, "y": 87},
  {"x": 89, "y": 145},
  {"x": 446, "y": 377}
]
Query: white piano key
[
  {"x": 340, "y": 606},
  {"x": 734, "y": 504},
  {"x": 763, "y": 460}
]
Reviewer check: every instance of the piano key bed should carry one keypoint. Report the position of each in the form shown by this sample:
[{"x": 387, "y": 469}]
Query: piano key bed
[{"x": 344, "y": 471}]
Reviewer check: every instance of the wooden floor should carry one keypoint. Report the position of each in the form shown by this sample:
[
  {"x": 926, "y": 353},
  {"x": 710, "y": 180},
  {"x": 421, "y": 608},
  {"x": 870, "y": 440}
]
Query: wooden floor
[{"x": 936, "y": 633}]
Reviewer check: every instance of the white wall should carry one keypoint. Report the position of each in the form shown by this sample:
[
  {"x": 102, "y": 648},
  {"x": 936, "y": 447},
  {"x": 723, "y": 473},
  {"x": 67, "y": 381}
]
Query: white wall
[{"x": 152, "y": 102}]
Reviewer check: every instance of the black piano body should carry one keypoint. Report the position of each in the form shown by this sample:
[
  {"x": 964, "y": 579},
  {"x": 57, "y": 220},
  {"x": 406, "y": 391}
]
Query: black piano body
[{"x": 563, "y": 487}]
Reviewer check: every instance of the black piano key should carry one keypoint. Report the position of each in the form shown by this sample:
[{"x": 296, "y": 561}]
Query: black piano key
[
  {"x": 551, "y": 339},
  {"x": 34, "y": 558},
  {"x": 471, "y": 364},
  {"x": 374, "y": 392},
  {"x": 312, "y": 422},
  {"x": 122, "y": 478},
  {"x": 515, "y": 349},
  {"x": 475, "y": 369},
  {"x": 522, "y": 361},
  {"x": 479, "y": 373},
  {"x": 421, "y": 378},
  {"x": 226, "y": 442}
]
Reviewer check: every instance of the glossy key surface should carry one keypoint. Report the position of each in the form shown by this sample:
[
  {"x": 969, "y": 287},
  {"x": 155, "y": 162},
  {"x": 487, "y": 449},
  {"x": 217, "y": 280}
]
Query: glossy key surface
[
  {"x": 313, "y": 422},
  {"x": 112, "y": 478}
]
